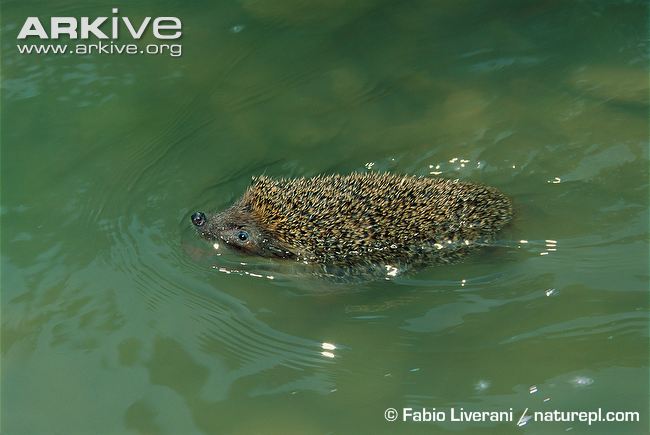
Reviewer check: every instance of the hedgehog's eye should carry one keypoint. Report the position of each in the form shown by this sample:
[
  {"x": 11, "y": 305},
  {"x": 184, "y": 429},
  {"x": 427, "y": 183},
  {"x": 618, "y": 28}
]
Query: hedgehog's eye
[{"x": 242, "y": 235}]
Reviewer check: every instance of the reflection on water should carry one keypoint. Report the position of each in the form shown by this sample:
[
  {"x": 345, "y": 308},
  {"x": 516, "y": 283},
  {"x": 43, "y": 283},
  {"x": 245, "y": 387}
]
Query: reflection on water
[{"x": 116, "y": 318}]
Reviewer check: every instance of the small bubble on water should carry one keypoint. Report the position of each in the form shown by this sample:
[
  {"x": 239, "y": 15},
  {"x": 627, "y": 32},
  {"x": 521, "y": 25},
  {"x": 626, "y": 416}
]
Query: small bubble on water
[
  {"x": 482, "y": 385},
  {"x": 551, "y": 292},
  {"x": 582, "y": 381},
  {"x": 524, "y": 420},
  {"x": 391, "y": 270},
  {"x": 237, "y": 28}
]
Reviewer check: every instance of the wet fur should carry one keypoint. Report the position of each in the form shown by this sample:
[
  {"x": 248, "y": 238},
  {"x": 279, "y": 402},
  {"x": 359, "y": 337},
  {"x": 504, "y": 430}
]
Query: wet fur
[{"x": 362, "y": 219}]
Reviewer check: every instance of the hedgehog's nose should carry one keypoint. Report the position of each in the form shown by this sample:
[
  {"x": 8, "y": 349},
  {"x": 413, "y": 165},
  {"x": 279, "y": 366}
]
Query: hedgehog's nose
[{"x": 198, "y": 219}]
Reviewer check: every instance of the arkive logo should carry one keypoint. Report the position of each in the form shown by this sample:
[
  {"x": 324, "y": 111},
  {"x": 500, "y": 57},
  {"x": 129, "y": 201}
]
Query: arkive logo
[
  {"x": 106, "y": 31},
  {"x": 82, "y": 28}
]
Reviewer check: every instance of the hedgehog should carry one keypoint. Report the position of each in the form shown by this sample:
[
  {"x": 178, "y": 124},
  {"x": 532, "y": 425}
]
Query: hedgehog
[{"x": 361, "y": 219}]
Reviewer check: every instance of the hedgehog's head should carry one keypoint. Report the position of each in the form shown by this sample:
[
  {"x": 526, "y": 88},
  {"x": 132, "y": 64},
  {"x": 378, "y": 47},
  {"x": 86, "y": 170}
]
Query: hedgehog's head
[{"x": 237, "y": 228}]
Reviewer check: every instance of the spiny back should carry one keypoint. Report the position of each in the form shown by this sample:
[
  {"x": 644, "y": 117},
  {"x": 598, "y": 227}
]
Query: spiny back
[{"x": 376, "y": 217}]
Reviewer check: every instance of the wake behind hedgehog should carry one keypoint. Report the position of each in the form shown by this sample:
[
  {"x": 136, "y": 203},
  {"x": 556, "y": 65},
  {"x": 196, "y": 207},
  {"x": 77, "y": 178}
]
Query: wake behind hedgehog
[{"x": 359, "y": 222}]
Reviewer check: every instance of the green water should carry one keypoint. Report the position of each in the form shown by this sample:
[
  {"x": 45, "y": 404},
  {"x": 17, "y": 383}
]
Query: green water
[{"x": 116, "y": 319}]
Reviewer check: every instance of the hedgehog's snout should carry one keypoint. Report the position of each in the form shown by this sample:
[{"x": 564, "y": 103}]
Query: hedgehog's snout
[{"x": 198, "y": 219}]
